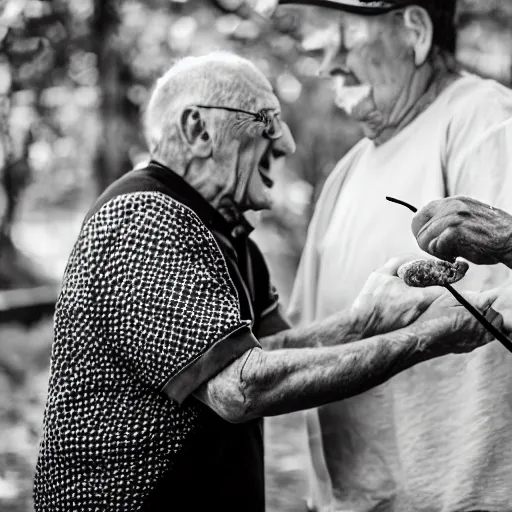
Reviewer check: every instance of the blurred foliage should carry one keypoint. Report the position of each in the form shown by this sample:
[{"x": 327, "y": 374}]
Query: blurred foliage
[{"x": 74, "y": 76}]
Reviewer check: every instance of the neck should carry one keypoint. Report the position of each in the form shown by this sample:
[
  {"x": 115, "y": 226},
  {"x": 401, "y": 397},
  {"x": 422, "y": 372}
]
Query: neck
[
  {"x": 426, "y": 86},
  {"x": 201, "y": 178}
]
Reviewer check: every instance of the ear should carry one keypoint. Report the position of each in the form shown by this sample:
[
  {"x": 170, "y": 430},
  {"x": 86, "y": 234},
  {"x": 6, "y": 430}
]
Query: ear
[
  {"x": 194, "y": 131},
  {"x": 419, "y": 24}
]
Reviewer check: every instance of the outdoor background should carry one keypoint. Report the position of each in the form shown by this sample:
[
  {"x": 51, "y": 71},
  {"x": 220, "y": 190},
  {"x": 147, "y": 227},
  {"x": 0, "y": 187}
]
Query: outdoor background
[{"x": 73, "y": 77}]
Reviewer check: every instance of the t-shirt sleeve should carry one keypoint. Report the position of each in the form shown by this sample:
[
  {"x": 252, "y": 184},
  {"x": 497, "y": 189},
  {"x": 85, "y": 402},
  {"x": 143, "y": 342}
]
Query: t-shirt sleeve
[
  {"x": 485, "y": 171},
  {"x": 170, "y": 312},
  {"x": 479, "y": 165},
  {"x": 479, "y": 149}
]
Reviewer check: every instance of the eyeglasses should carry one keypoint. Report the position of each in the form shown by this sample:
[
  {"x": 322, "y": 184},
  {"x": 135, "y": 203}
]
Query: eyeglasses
[{"x": 268, "y": 117}]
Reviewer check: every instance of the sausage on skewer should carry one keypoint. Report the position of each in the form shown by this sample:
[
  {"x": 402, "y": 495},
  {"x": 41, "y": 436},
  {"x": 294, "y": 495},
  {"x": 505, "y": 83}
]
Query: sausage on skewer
[{"x": 423, "y": 273}]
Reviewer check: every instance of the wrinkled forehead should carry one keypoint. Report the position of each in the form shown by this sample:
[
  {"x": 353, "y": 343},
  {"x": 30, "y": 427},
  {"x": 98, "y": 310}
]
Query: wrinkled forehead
[
  {"x": 266, "y": 100},
  {"x": 247, "y": 88}
]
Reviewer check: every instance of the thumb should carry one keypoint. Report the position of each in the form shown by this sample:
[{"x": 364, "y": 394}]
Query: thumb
[
  {"x": 482, "y": 300},
  {"x": 391, "y": 266}
]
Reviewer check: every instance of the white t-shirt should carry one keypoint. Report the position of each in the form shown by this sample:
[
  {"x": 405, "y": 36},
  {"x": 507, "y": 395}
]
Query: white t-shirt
[{"x": 438, "y": 437}]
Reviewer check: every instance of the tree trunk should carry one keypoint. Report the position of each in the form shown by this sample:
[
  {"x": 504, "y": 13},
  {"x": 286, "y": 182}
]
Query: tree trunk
[
  {"x": 7, "y": 151},
  {"x": 111, "y": 158}
]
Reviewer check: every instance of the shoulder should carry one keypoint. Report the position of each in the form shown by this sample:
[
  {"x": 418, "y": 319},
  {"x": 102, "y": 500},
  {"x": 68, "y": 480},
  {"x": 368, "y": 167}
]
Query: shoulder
[
  {"x": 145, "y": 210},
  {"x": 470, "y": 86},
  {"x": 149, "y": 221},
  {"x": 149, "y": 233},
  {"x": 475, "y": 109},
  {"x": 477, "y": 103}
]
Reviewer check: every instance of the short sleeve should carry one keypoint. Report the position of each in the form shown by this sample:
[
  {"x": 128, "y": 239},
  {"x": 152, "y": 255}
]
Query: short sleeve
[
  {"x": 478, "y": 162},
  {"x": 169, "y": 310},
  {"x": 485, "y": 172}
]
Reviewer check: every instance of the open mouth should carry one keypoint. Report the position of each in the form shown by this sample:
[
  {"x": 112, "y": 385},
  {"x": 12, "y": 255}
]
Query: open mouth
[
  {"x": 346, "y": 78},
  {"x": 264, "y": 169}
]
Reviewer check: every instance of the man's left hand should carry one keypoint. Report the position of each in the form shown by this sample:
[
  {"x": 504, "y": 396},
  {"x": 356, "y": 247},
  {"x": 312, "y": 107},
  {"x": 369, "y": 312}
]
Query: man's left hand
[{"x": 386, "y": 303}]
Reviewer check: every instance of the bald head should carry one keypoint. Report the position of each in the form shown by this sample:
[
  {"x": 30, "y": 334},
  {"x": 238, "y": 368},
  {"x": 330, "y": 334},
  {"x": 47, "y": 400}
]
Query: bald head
[
  {"x": 219, "y": 78},
  {"x": 215, "y": 121}
]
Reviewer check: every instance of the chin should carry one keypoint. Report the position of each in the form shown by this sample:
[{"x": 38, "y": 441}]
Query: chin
[
  {"x": 373, "y": 125},
  {"x": 260, "y": 203},
  {"x": 262, "y": 206}
]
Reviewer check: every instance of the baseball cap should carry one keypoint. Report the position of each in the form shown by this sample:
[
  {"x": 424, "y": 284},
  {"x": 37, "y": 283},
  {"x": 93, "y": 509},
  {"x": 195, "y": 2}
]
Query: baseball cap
[{"x": 266, "y": 8}]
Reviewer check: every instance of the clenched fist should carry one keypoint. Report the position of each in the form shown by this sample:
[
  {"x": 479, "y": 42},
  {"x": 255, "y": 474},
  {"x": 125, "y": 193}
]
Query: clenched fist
[{"x": 461, "y": 226}]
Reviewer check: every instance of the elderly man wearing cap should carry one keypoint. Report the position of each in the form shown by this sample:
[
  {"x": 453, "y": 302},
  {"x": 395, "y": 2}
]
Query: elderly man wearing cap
[{"x": 438, "y": 437}]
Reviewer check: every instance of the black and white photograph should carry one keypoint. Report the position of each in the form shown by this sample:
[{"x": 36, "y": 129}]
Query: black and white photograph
[{"x": 255, "y": 255}]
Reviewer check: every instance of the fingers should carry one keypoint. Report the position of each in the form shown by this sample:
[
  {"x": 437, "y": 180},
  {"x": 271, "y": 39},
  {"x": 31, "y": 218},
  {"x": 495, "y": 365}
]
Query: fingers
[
  {"x": 495, "y": 318},
  {"x": 503, "y": 305},
  {"x": 435, "y": 210},
  {"x": 434, "y": 227},
  {"x": 439, "y": 238},
  {"x": 391, "y": 266},
  {"x": 423, "y": 216},
  {"x": 445, "y": 245},
  {"x": 484, "y": 300},
  {"x": 431, "y": 212}
]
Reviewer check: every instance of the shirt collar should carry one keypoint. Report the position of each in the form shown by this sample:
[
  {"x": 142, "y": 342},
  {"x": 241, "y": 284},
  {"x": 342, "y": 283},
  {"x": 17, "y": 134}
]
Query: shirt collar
[{"x": 228, "y": 218}]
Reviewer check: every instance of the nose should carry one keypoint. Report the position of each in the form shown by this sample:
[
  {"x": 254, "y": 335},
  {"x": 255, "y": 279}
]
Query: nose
[
  {"x": 284, "y": 145},
  {"x": 324, "y": 70},
  {"x": 327, "y": 42}
]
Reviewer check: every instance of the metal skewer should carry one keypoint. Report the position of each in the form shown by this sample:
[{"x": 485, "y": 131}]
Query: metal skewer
[{"x": 476, "y": 314}]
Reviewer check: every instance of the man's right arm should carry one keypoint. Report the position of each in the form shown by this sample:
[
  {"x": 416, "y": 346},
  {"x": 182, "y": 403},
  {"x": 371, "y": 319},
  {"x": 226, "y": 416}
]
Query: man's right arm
[
  {"x": 264, "y": 383},
  {"x": 384, "y": 304}
]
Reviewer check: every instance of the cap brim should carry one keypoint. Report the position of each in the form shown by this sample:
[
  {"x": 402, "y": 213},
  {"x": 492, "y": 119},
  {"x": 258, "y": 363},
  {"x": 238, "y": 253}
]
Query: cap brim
[{"x": 352, "y": 6}]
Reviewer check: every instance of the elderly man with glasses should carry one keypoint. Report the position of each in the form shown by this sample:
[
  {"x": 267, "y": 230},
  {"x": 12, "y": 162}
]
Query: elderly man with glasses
[
  {"x": 437, "y": 438},
  {"x": 159, "y": 381}
]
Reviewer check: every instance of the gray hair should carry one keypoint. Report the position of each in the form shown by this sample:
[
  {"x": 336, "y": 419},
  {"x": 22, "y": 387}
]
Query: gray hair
[{"x": 218, "y": 78}]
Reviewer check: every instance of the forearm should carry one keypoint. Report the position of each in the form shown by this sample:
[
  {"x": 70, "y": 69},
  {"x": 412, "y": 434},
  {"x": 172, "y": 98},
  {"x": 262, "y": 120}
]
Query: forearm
[
  {"x": 338, "y": 329},
  {"x": 283, "y": 381}
]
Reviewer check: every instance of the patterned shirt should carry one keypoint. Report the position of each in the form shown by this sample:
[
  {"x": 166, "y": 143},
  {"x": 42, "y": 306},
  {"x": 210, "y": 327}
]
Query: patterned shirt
[{"x": 158, "y": 296}]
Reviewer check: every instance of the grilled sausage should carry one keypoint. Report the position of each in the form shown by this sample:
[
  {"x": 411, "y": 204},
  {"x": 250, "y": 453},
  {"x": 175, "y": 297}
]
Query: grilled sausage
[{"x": 423, "y": 273}]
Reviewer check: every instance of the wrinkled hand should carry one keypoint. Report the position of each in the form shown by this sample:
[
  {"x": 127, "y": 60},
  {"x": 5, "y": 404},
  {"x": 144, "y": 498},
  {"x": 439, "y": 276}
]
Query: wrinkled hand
[
  {"x": 452, "y": 329},
  {"x": 386, "y": 303},
  {"x": 461, "y": 226},
  {"x": 503, "y": 305}
]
